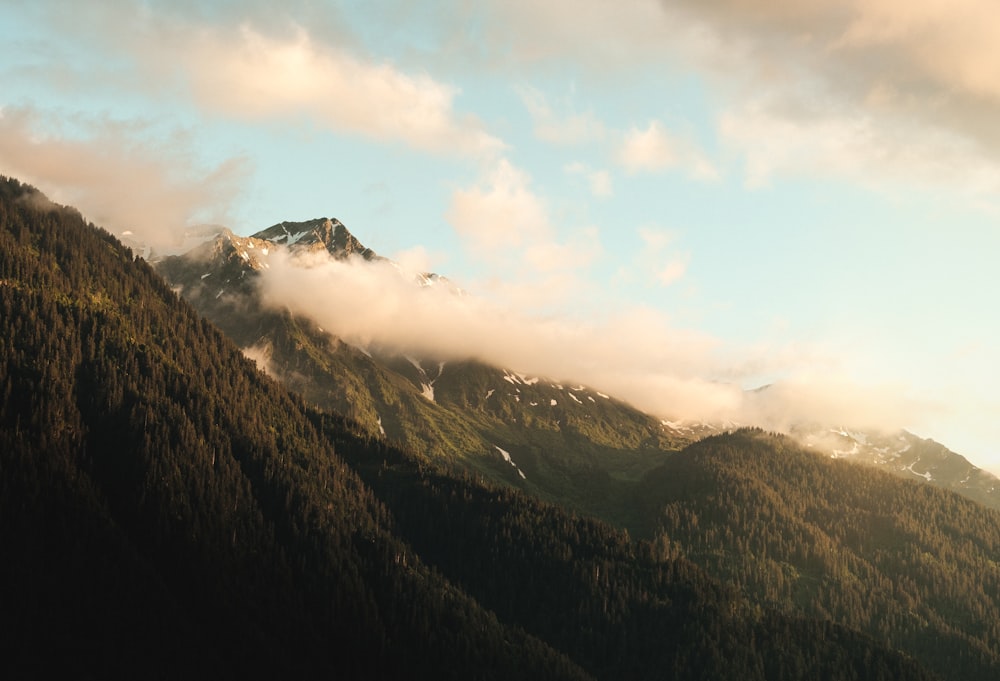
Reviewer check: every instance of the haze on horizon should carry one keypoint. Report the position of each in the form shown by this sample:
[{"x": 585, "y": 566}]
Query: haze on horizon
[{"x": 675, "y": 200}]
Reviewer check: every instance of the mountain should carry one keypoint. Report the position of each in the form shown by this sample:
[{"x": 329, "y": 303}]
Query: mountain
[
  {"x": 791, "y": 529},
  {"x": 558, "y": 440},
  {"x": 825, "y": 538},
  {"x": 323, "y": 233},
  {"x": 562, "y": 442},
  {"x": 907, "y": 456},
  {"x": 168, "y": 510}
]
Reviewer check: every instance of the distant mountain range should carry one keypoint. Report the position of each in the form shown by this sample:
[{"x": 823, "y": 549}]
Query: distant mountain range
[
  {"x": 906, "y": 455},
  {"x": 564, "y": 442}
]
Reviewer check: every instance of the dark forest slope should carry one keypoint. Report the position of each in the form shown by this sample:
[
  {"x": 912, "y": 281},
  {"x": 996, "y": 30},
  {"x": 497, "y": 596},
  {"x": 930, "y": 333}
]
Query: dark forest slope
[
  {"x": 166, "y": 510},
  {"x": 906, "y": 562}
]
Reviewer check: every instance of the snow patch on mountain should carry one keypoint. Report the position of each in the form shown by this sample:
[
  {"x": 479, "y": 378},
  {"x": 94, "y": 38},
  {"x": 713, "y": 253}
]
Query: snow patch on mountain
[
  {"x": 926, "y": 476},
  {"x": 905, "y": 455},
  {"x": 506, "y": 457},
  {"x": 426, "y": 383},
  {"x": 676, "y": 425}
]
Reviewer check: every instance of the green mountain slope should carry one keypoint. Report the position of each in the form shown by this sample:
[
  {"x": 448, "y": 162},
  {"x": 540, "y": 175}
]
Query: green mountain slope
[
  {"x": 905, "y": 562},
  {"x": 167, "y": 510}
]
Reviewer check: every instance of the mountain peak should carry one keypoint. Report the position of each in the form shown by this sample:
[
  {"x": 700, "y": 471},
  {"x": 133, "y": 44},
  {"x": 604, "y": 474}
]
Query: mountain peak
[{"x": 327, "y": 233}]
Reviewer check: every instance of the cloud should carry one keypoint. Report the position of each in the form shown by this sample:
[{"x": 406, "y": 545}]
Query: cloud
[
  {"x": 858, "y": 89},
  {"x": 570, "y": 129},
  {"x": 261, "y": 355},
  {"x": 600, "y": 184},
  {"x": 509, "y": 230},
  {"x": 251, "y": 75},
  {"x": 605, "y": 36},
  {"x": 831, "y": 400},
  {"x": 504, "y": 215},
  {"x": 914, "y": 82},
  {"x": 599, "y": 181},
  {"x": 777, "y": 139},
  {"x": 657, "y": 260},
  {"x": 632, "y": 352},
  {"x": 152, "y": 189},
  {"x": 254, "y": 63},
  {"x": 415, "y": 259},
  {"x": 654, "y": 149}
]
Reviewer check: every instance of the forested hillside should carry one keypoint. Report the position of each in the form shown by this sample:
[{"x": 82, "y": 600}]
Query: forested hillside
[
  {"x": 908, "y": 563},
  {"x": 167, "y": 510}
]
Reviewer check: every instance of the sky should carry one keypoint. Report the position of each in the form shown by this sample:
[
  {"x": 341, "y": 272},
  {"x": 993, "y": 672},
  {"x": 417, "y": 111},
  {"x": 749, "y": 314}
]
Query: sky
[{"x": 674, "y": 201}]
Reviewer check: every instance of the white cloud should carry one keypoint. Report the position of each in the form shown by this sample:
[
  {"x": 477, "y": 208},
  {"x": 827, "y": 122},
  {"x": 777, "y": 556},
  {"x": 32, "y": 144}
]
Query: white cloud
[
  {"x": 509, "y": 230},
  {"x": 269, "y": 67},
  {"x": 600, "y": 184},
  {"x": 907, "y": 79},
  {"x": 808, "y": 396},
  {"x": 551, "y": 127},
  {"x": 606, "y": 36},
  {"x": 153, "y": 189},
  {"x": 672, "y": 271},
  {"x": 504, "y": 215},
  {"x": 776, "y": 142},
  {"x": 904, "y": 88},
  {"x": 648, "y": 150},
  {"x": 654, "y": 149},
  {"x": 632, "y": 352},
  {"x": 951, "y": 43},
  {"x": 252, "y": 75},
  {"x": 415, "y": 260},
  {"x": 598, "y": 181},
  {"x": 659, "y": 262}
]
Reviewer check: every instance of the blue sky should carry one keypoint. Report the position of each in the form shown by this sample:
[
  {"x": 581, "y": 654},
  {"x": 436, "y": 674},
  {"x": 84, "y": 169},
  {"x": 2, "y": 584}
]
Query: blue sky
[{"x": 721, "y": 194}]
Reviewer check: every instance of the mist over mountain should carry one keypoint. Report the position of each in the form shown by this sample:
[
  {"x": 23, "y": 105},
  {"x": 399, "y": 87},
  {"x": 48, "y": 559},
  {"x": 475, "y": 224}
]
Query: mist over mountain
[
  {"x": 169, "y": 510},
  {"x": 354, "y": 313},
  {"x": 370, "y": 301}
]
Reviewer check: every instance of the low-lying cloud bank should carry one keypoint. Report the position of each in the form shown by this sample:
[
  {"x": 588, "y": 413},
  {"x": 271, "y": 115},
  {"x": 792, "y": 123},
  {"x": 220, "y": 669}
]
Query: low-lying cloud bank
[{"x": 634, "y": 354}]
